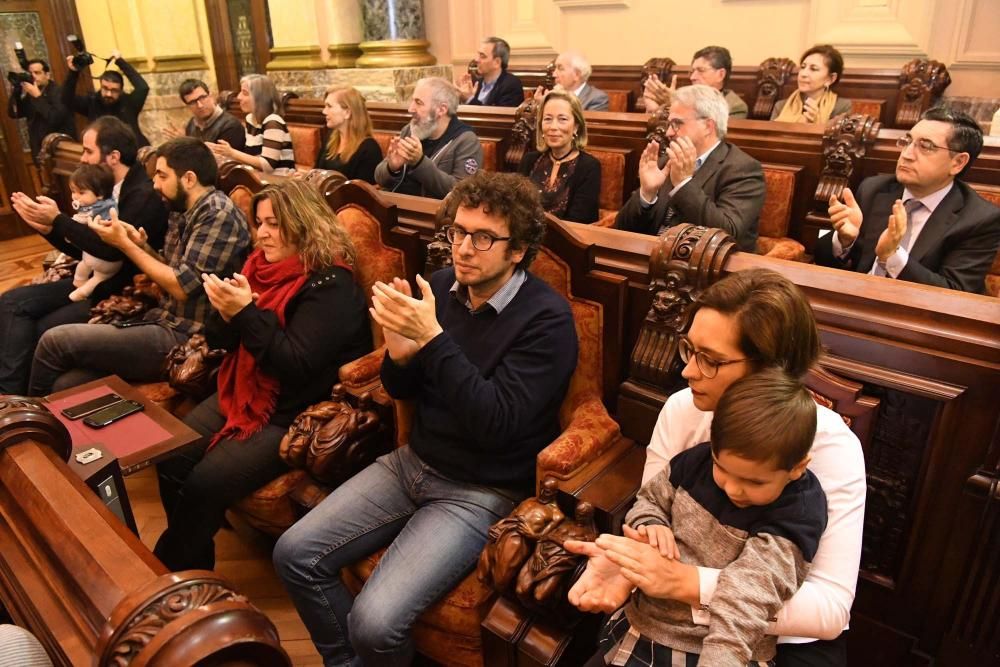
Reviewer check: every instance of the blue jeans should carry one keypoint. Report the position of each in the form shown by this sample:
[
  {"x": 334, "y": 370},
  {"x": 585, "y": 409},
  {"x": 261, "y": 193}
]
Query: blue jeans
[
  {"x": 435, "y": 528},
  {"x": 75, "y": 353},
  {"x": 25, "y": 314}
]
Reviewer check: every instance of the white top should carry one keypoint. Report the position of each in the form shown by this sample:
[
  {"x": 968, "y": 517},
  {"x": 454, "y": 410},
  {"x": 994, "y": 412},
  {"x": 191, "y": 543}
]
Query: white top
[{"x": 821, "y": 609}]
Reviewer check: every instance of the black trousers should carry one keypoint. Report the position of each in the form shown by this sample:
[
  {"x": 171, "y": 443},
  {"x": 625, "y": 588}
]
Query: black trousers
[{"x": 197, "y": 486}]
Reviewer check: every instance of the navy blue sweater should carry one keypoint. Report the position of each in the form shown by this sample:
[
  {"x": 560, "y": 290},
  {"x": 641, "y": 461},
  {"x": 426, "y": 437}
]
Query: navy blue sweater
[{"x": 489, "y": 387}]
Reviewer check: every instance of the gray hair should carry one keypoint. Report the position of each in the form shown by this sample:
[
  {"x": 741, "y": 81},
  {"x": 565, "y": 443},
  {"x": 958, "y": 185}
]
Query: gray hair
[
  {"x": 264, "y": 94},
  {"x": 708, "y": 103},
  {"x": 442, "y": 92},
  {"x": 580, "y": 64}
]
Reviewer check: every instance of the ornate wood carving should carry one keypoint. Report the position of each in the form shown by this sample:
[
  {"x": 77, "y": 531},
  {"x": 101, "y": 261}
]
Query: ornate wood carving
[
  {"x": 439, "y": 249},
  {"x": 846, "y": 139},
  {"x": 46, "y": 163},
  {"x": 324, "y": 180},
  {"x": 23, "y": 418},
  {"x": 193, "y": 603},
  {"x": 333, "y": 439},
  {"x": 663, "y": 69},
  {"x": 512, "y": 538},
  {"x": 132, "y": 303},
  {"x": 773, "y": 75},
  {"x": 192, "y": 367},
  {"x": 920, "y": 83},
  {"x": 686, "y": 260},
  {"x": 656, "y": 130},
  {"x": 522, "y": 134}
]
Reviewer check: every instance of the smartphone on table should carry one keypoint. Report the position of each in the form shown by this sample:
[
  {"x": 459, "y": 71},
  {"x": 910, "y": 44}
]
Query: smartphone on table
[
  {"x": 113, "y": 413},
  {"x": 89, "y": 407}
]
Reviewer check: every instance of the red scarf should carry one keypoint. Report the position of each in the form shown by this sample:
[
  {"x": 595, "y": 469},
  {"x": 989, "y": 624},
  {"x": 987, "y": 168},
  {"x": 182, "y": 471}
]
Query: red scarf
[{"x": 247, "y": 395}]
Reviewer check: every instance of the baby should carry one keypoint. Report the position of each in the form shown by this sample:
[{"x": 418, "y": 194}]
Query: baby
[{"x": 91, "y": 188}]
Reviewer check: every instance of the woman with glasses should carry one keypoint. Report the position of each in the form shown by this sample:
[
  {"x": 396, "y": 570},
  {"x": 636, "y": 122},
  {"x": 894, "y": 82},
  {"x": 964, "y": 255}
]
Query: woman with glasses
[
  {"x": 350, "y": 149},
  {"x": 814, "y": 101},
  {"x": 268, "y": 142},
  {"x": 568, "y": 178},
  {"x": 747, "y": 322}
]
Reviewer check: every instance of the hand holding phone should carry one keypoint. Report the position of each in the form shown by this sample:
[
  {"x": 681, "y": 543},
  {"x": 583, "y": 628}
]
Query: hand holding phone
[{"x": 113, "y": 413}]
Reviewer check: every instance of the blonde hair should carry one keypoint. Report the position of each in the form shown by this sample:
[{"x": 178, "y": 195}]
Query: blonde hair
[
  {"x": 264, "y": 94},
  {"x": 580, "y": 138},
  {"x": 359, "y": 125},
  {"x": 307, "y": 221}
]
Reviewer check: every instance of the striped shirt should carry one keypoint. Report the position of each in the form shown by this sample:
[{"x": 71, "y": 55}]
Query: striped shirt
[
  {"x": 20, "y": 648},
  {"x": 271, "y": 141},
  {"x": 210, "y": 237}
]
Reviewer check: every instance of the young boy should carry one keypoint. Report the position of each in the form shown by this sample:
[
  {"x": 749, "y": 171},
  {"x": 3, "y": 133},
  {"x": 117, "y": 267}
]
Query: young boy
[
  {"x": 744, "y": 502},
  {"x": 91, "y": 188}
]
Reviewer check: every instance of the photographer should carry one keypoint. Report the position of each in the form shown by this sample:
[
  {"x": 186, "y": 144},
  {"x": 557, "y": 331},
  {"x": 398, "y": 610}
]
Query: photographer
[
  {"x": 111, "y": 100},
  {"x": 39, "y": 101}
]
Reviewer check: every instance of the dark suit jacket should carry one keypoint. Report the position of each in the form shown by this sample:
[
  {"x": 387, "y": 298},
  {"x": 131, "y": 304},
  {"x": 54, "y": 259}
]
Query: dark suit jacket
[
  {"x": 955, "y": 248},
  {"x": 507, "y": 92},
  {"x": 138, "y": 204},
  {"x": 727, "y": 192}
]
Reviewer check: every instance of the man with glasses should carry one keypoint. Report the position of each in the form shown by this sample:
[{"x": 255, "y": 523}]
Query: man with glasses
[
  {"x": 710, "y": 66},
  {"x": 110, "y": 100},
  {"x": 209, "y": 121},
  {"x": 922, "y": 224},
  {"x": 705, "y": 180},
  {"x": 486, "y": 355}
]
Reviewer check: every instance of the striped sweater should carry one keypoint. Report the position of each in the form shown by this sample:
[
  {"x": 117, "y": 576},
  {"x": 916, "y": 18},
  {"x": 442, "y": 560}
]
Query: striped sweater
[
  {"x": 764, "y": 552},
  {"x": 271, "y": 141}
]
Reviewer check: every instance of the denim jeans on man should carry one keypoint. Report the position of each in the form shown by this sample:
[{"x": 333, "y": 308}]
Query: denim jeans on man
[
  {"x": 437, "y": 528},
  {"x": 75, "y": 353}
]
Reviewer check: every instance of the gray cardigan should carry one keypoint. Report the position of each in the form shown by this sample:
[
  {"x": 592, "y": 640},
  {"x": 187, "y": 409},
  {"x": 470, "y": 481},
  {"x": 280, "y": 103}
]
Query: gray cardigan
[{"x": 435, "y": 175}]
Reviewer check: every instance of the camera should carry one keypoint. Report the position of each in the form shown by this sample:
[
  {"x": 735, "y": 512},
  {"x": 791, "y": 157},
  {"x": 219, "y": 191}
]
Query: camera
[
  {"x": 17, "y": 78},
  {"x": 82, "y": 58}
]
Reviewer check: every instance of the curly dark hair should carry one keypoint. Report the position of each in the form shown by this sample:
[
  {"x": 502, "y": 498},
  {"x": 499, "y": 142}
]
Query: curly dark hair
[{"x": 511, "y": 197}]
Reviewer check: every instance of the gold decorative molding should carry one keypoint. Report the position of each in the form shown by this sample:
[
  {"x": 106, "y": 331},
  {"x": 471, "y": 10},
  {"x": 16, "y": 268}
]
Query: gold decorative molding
[
  {"x": 295, "y": 57},
  {"x": 178, "y": 63},
  {"x": 396, "y": 53},
  {"x": 343, "y": 56}
]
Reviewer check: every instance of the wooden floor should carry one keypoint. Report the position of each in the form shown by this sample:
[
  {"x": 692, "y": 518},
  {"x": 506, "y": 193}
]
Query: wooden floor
[{"x": 245, "y": 560}]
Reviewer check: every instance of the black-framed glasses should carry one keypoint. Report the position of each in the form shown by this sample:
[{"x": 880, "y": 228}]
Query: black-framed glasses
[
  {"x": 675, "y": 124},
  {"x": 708, "y": 366},
  {"x": 924, "y": 146},
  {"x": 481, "y": 241},
  {"x": 198, "y": 100}
]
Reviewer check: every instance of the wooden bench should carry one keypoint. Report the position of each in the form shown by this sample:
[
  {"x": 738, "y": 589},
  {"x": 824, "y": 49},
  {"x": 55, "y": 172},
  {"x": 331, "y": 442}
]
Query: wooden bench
[{"x": 86, "y": 587}]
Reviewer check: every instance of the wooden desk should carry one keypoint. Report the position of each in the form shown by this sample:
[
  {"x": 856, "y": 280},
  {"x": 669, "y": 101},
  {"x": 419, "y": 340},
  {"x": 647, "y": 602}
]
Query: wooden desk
[{"x": 138, "y": 440}]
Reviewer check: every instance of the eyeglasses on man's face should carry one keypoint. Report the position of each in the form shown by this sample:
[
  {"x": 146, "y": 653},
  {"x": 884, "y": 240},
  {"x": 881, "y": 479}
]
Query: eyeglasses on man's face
[
  {"x": 924, "y": 146},
  {"x": 676, "y": 124},
  {"x": 198, "y": 100},
  {"x": 708, "y": 366},
  {"x": 481, "y": 240}
]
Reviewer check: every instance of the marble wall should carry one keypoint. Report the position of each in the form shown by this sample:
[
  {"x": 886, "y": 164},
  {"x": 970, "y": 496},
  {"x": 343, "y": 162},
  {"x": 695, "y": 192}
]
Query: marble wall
[
  {"x": 392, "y": 19},
  {"x": 164, "y": 106},
  {"x": 389, "y": 84}
]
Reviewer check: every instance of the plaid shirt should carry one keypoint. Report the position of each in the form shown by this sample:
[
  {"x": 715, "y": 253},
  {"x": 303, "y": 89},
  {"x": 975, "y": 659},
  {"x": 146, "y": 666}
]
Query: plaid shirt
[
  {"x": 623, "y": 646},
  {"x": 210, "y": 237}
]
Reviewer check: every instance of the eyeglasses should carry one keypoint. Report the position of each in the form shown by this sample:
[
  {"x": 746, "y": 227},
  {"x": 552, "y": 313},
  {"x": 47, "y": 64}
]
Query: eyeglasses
[
  {"x": 481, "y": 241},
  {"x": 702, "y": 70},
  {"x": 196, "y": 101},
  {"x": 708, "y": 366},
  {"x": 676, "y": 123},
  {"x": 924, "y": 146}
]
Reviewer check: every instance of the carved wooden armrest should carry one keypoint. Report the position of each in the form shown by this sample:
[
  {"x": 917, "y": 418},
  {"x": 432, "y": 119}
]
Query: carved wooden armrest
[
  {"x": 362, "y": 373},
  {"x": 590, "y": 433}
]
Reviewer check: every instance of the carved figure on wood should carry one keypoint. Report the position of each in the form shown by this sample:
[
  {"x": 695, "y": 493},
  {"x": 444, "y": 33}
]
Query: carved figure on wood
[
  {"x": 546, "y": 577},
  {"x": 920, "y": 82},
  {"x": 662, "y": 69},
  {"x": 191, "y": 367},
  {"x": 845, "y": 140},
  {"x": 511, "y": 539},
  {"x": 522, "y": 133},
  {"x": 134, "y": 300},
  {"x": 773, "y": 74},
  {"x": 337, "y": 450}
]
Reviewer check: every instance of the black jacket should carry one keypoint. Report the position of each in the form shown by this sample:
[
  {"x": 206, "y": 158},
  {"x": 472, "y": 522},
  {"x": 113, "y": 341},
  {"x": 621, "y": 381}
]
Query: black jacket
[
  {"x": 507, "y": 92},
  {"x": 138, "y": 204},
  {"x": 45, "y": 114},
  {"x": 307, "y": 354},
  {"x": 583, "y": 189},
  {"x": 956, "y": 246},
  {"x": 361, "y": 165},
  {"x": 126, "y": 109}
]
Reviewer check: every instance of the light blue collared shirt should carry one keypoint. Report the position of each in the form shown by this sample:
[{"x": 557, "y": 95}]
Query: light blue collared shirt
[{"x": 500, "y": 299}]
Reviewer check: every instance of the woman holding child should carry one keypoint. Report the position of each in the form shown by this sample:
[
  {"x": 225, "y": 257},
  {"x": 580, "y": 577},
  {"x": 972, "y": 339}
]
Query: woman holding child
[
  {"x": 284, "y": 353},
  {"x": 748, "y": 322}
]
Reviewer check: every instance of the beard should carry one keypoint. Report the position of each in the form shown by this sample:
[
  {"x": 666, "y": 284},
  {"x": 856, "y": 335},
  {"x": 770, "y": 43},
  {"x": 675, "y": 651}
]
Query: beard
[
  {"x": 177, "y": 203},
  {"x": 423, "y": 129},
  {"x": 108, "y": 102}
]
